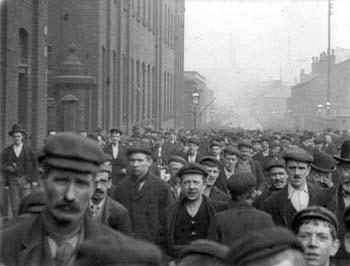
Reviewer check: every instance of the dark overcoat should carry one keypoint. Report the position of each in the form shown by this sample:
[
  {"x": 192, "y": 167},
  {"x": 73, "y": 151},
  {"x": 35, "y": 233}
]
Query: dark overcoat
[
  {"x": 332, "y": 199},
  {"x": 31, "y": 163},
  {"x": 221, "y": 182},
  {"x": 236, "y": 222},
  {"x": 281, "y": 208},
  {"x": 23, "y": 244},
  {"x": 258, "y": 173},
  {"x": 119, "y": 163},
  {"x": 217, "y": 194},
  {"x": 168, "y": 225},
  {"x": 116, "y": 216},
  {"x": 146, "y": 206}
]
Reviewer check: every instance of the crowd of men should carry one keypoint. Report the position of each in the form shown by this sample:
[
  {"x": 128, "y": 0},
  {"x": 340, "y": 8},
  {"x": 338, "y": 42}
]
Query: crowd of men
[{"x": 228, "y": 197}]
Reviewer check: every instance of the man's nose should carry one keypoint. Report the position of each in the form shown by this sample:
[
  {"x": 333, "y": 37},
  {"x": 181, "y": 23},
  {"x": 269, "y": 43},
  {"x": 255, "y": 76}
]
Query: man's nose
[{"x": 70, "y": 192}]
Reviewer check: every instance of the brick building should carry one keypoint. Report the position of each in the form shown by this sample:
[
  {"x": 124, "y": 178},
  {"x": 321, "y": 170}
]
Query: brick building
[
  {"x": 23, "y": 82},
  {"x": 307, "y": 106},
  {"x": 125, "y": 67}
]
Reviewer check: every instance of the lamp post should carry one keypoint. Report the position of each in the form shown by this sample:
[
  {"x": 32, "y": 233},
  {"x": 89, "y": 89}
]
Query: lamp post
[
  {"x": 319, "y": 108},
  {"x": 195, "y": 102},
  {"x": 328, "y": 107}
]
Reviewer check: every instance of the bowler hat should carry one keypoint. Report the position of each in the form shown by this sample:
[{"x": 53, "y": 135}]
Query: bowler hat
[
  {"x": 73, "y": 152},
  {"x": 275, "y": 163},
  {"x": 298, "y": 154},
  {"x": 192, "y": 168},
  {"x": 16, "y": 128},
  {"x": 209, "y": 161},
  {"x": 241, "y": 183},
  {"x": 139, "y": 148},
  {"x": 262, "y": 244},
  {"x": 323, "y": 162},
  {"x": 347, "y": 218},
  {"x": 245, "y": 143},
  {"x": 205, "y": 247},
  {"x": 345, "y": 152},
  {"x": 117, "y": 249},
  {"x": 314, "y": 212}
]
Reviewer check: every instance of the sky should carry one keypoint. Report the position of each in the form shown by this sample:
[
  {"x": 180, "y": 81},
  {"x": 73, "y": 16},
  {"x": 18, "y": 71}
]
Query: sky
[{"x": 272, "y": 37}]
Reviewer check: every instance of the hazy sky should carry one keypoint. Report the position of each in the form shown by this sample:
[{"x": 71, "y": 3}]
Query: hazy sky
[{"x": 267, "y": 35}]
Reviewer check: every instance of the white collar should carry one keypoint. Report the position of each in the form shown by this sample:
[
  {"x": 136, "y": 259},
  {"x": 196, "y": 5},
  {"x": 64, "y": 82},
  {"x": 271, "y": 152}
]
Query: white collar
[
  {"x": 291, "y": 190},
  {"x": 99, "y": 205}
]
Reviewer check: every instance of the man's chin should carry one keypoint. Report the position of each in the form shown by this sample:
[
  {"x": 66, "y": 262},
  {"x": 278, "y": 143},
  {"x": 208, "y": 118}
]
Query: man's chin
[{"x": 66, "y": 217}]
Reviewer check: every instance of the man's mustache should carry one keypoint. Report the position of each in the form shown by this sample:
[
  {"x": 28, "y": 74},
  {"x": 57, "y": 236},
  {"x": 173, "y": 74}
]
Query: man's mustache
[{"x": 68, "y": 206}]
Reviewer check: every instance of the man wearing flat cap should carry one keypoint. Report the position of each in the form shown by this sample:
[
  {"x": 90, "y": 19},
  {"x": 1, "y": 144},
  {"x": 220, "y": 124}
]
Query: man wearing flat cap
[
  {"x": 298, "y": 194},
  {"x": 337, "y": 198},
  {"x": 117, "y": 151},
  {"x": 193, "y": 155},
  {"x": 188, "y": 219},
  {"x": 231, "y": 156},
  {"x": 242, "y": 217},
  {"x": 19, "y": 167},
  {"x": 144, "y": 194},
  {"x": 271, "y": 247},
  {"x": 70, "y": 164},
  {"x": 174, "y": 165},
  {"x": 102, "y": 208},
  {"x": 278, "y": 177},
  {"x": 316, "y": 228},
  {"x": 213, "y": 168}
]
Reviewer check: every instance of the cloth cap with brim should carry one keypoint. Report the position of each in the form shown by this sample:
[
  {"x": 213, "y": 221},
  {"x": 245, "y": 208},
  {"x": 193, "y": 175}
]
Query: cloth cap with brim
[
  {"x": 241, "y": 183},
  {"x": 347, "y": 218},
  {"x": 16, "y": 128},
  {"x": 192, "y": 168},
  {"x": 314, "y": 213},
  {"x": 345, "y": 152},
  {"x": 205, "y": 247},
  {"x": 245, "y": 143},
  {"x": 215, "y": 143},
  {"x": 298, "y": 154},
  {"x": 117, "y": 249},
  {"x": 275, "y": 163},
  {"x": 115, "y": 130},
  {"x": 231, "y": 150},
  {"x": 210, "y": 161},
  {"x": 178, "y": 159},
  {"x": 318, "y": 140},
  {"x": 323, "y": 162},
  {"x": 194, "y": 140},
  {"x": 262, "y": 244},
  {"x": 72, "y": 152},
  {"x": 139, "y": 148}
]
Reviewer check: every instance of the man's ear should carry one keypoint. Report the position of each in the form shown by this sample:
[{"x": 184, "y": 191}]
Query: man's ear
[
  {"x": 334, "y": 247},
  {"x": 109, "y": 183},
  {"x": 347, "y": 242}
]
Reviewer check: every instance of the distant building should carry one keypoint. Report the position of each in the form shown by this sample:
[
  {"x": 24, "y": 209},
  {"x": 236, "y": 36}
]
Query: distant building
[
  {"x": 124, "y": 69},
  {"x": 308, "y": 106},
  {"x": 23, "y": 67}
]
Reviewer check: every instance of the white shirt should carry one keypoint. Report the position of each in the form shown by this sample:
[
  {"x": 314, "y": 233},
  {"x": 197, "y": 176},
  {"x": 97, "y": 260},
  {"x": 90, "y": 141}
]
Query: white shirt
[
  {"x": 17, "y": 149},
  {"x": 115, "y": 151},
  {"x": 96, "y": 209},
  {"x": 229, "y": 174},
  {"x": 298, "y": 197},
  {"x": 192, "y": 158}
]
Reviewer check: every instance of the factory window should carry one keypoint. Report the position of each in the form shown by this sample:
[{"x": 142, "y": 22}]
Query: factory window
[
  {"x": 164, "y": 96},
  {"x": 149, "y": 92},
  {"x": 23, "y": 46},
  {"x": 169, "y": 28},
  {"x": 133, "y": 104},
  {"x": 144, "y": 13},
  {"x": 138, "y": 13},
  {"x": 164, "y": 23},
  {"x": 138, "y": 90},
  {"x": 143, "y": 91},
  {"x": 154, "y": 93},
  {"x": 150, "y": 5}
]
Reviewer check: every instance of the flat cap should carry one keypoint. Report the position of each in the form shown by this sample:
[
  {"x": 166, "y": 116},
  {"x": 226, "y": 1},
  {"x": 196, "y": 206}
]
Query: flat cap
[
  {"x": 194, "y": 140},
  {"x": 115, "y": 130},
  {"x": 178, "y": 159},
  {"x": 117, "y": 249},
  {"x": 314, "y": 212},
  {"x": 241, "y": 183},
  {"x": 73, "y": 152},
  {"x": 262, "y": 244},
  {"x": 245, "y": 143},
  {"x": 298, "y": 154},
  {"x": 209, "y": 161},
  {"x": 230, "y": 149},
  {"x": 275, "y": 163},
  {"x": 215, "y": 143},
  {"x": 347, "y": 218},
  {"x": 139, "y": 148},
  {"x": 192, "y": 168},
  {"x": 205, "y": 247}
]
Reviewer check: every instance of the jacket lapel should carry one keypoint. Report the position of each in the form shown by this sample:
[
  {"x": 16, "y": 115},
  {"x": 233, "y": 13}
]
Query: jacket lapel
[
  {"x": 106, "y": 211},
  {"x": 283, "y": 204}
]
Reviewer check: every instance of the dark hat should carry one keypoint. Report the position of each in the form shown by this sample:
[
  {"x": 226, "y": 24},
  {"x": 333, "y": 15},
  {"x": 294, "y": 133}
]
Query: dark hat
[
  {"x": 209, "y": 161},
  {"x": 178, "y": 159},
  {"x": 258, "y": 245},
  {"x": 323, "y": 162},
  {"x": 205, "y": 247},
  {"x": 194, "y": 140},
  {"x": 241, "y": 183},
  {"x": 347, "y": 218},
  {"x": 16, "y": 128},
  {"x": 345, "y": 152},
  {"x": 275, "y": 163},
  {"x": 314, "y": 212},
  {"x": 73, "y": 152},
  {"x": 215, "y": 143},
  {"x": 230, "y": 149},
  {"x": 115, "y": 130},
  {"x": 139, "y": 148},
  {"x": 256, "y": 141},
  {"x": 318, "y": 140},
  {"x": 298, "y": 154},
  {"x": 192, "y": 168},
  {"x": 32, "y": 203},
  {"x": 286, "y": 137},
  {"x": 245, "y": 143},
  {"x": 117, "y": 249}
]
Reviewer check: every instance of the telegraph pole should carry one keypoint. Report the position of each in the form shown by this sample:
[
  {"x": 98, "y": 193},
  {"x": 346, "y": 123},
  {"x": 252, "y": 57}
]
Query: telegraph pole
[{"x": 330, "y": 7}]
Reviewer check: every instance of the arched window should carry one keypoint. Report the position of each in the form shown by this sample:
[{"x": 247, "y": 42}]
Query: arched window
[
  {"x": 23, "y": 46},
  {"x": 23, "y": 49}
]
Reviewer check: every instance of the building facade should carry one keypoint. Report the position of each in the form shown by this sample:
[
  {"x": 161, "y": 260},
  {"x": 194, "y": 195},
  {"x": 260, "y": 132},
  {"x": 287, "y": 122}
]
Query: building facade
[
  {"x": 311, "y": 106},
  {"x": 23, "y": 68},
  {"x": 115, "y": 64}
]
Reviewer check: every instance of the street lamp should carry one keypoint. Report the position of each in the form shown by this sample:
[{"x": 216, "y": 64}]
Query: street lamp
[
  {"x": 319, "y": 108},
  {"x": 328, "y": 107},
  {"x": 195, "y": 102}
]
